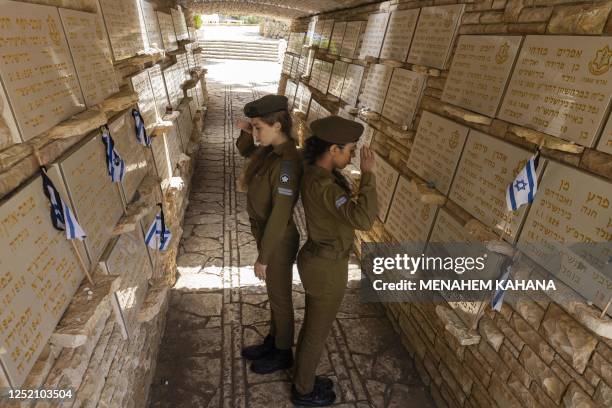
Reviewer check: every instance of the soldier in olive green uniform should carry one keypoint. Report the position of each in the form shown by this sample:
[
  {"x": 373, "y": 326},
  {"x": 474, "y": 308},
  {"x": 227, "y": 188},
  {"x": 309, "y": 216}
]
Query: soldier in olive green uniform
[
  {"x": 332, "y": 217},
  {"x": 272, "y": 179}
]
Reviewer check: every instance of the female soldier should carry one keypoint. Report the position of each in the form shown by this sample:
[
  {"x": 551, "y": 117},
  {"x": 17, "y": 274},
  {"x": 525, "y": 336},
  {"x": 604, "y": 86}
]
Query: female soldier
[
  {"x": 272, "y": 178},
  {"x": 331, "y": 219}
]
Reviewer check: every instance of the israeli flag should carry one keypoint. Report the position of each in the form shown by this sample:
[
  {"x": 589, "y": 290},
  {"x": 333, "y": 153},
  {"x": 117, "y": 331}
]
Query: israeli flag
[
  {"x": 158, "y": 236},
  {"x": 61, "y": 215},
  {"x": 523, "y": 189},
  {"x": 141, "y": 133},
  {"x": 114, "y": 162},
  {"x": 498, "y": 297}
]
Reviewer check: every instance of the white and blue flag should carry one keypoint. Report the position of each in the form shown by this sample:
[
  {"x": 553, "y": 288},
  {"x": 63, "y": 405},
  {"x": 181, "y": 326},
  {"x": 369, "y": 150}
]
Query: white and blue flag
[
  {"x": 114, "y": 162},
  {"x": 158, "y": 236},
  {"x": 523, "y": 189},
  {"x": 62, "y": 217},
  {"x": 498, "y": 297},
  {"x": 141, "y": 132}
]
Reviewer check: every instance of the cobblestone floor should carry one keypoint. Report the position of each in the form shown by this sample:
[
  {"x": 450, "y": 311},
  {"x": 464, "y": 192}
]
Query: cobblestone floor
[{"x": 218, "y": 305}]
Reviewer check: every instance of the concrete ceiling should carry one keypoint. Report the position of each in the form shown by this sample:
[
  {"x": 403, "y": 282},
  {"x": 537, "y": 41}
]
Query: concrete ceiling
[{"x": 287, "y": 9}]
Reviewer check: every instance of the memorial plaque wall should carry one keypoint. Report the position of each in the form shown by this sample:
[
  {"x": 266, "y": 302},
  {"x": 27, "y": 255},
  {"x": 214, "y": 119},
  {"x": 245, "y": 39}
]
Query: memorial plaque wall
[
  {"x": 185, "y": 128},
  {"x": 121, "y": 18},
  {"x": 376, "y": 85},
  {"x": 141, "y": 84},
  {"x": 124, "y": 134},
  {"x": 365, "y": 140},
  {"x": 290, "y": 91},
  {"x": 327, "y": 26},
  {"x": 193, "y": 103},
  {"x": 479, "y": 72},
  {"x": 295, "y": 72},
  {"x": 91, "y": 56},
  {"x": 404, "y": 96},
  {"x": 172, "y": 79},
  {"x": 316, "y": 111},
  {"x": 568, "y": 231},
  {"x": 191, "y": 63},
  {"x": 337, "y": 78},
  {"x": 310, "y": 34},
  {"x": 36, "y": 68},
  {"x": 324, "y": 76},
  {"x": 39, "y": 272},
  {"x": 182, "y": 67},
  {"x": 8, "y": 127},
  {"x": 374, "y": 35},
  {"x": 605, "y": 143},
  {"x": 318, "y": 28},
  {"x": 287, "y": 61},
  {"x": 302, "y": 98},
  {"x": 306, "y": 61},
  {"x": 409, "y": 220},
  {"x": 335, "y": 44},
  {"x": 127, "y": 257},
  {"x": 436, "y": 150},
  {"x": 487, "y": 166},
  {"x": 159, "y": 90},
  {"x": 167, "y": 31},
  {"x": 161, "y": 158},
  {"x": 352, "y": 84},
  {"x": 434, "y": 35},
  {"x": 174, "y": 146},
  {"x": 352, "y": 35},
  {"x": 151, "y": 25},
  {"x": 399, "y": 34},
  {"x": 296, "y": 40},
  {"x": 386, "y": 180},
  {"x": 314, "y": 73},
  {"x": 180, "y": 26},
  {"x": 562, "y": 86}
]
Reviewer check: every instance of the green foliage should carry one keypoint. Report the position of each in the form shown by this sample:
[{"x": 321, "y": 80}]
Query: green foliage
[
  {"x": 251, "y": 19},
  {"x": 197, "y": 21}
]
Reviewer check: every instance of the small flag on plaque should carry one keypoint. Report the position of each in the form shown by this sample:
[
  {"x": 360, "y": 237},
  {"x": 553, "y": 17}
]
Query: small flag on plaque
[
  {"x": 141, "y": 132},
  {"x": 62, "y": 217},
  {"x": 114, "y": 162},
  {"x": 523, "y": 189},
  {"x": 158, "y": 236},
  {"x": 498, "y": 297}
]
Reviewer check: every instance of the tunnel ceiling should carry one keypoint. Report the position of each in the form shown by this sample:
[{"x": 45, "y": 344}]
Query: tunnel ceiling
[{"x": 283, "y": 8}]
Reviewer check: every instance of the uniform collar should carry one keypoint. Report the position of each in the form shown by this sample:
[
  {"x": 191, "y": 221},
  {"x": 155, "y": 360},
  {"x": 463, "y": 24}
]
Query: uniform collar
[
  {"x": 320, "y": 171},
  {"x": 279, "y": 149}
]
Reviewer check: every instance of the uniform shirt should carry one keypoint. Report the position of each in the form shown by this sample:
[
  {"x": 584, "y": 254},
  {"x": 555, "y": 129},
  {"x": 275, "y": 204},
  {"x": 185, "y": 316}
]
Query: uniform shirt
[
  {"x": 331, "y": 215},
  {"x": 271, "y": 193}
]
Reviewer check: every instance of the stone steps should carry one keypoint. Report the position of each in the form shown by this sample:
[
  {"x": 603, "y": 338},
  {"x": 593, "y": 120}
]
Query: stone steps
[{"x": 247, "y": 50}]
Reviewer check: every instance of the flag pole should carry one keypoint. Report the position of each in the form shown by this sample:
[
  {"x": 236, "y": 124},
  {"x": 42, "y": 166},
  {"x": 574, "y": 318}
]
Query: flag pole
[{"x": 74, "y": 247}]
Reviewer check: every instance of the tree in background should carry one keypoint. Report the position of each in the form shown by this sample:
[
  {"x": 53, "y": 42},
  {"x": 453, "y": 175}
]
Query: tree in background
[{"x": 197, "y": 21}]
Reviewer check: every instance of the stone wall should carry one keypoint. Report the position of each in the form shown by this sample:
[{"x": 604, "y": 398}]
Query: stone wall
[{"x": 537, "y": 352}]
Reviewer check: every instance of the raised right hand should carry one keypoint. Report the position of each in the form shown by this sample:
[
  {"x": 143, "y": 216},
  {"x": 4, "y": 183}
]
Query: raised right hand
[
  {"x": 244, "y": 125},
  {"x": 368, "y": 161}
]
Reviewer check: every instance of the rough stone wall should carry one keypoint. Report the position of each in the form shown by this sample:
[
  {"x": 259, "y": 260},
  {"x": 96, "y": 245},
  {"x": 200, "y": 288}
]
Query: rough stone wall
[{"x": 534, "y": 353}]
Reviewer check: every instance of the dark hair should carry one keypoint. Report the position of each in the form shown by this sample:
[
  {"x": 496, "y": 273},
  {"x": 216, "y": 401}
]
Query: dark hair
[
  {"x": 283, "y": 117},
  {"x": 315, "y": 148}
]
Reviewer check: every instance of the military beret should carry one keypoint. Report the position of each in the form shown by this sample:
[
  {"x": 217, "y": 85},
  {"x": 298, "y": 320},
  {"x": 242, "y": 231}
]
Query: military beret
[
  {"x": 265, "y": 105},
  {"x": 337, "y": 130}
]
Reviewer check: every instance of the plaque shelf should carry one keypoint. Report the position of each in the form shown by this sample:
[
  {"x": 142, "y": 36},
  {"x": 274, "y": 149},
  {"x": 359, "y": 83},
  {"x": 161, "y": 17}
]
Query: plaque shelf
[
  {"x": 118, "y": 102},
  {"x": 456, "y": 327}
]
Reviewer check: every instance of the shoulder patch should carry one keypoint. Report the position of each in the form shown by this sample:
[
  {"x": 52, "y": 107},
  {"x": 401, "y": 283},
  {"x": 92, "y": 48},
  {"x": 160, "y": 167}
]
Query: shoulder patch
[
  {"x": 286, "y": 169},
  {"x": 340, "y": 201}
]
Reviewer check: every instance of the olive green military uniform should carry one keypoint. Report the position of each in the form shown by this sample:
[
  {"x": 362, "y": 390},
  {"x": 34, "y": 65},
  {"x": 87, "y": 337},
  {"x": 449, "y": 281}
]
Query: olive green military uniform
[
  {"x": 331, "y": 218},
  {"x": 271, "y": 197}
]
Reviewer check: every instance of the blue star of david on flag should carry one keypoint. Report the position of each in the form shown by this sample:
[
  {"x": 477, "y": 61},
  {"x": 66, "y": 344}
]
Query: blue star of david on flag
[
  {"x": 158, "y": 236},
  {"x": 114, "y": 162},
  {"x": 141, "y": 132},
  {"x": 62, "y": 217},
  {"x": 523, "y": 188}
]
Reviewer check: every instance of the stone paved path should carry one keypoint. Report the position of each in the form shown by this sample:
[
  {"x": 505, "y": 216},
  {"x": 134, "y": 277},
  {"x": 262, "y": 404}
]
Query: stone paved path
[{"x": 218, "y": 305}]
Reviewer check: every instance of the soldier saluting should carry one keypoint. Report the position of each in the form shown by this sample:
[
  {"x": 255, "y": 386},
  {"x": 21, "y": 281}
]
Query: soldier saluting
[
  {"x": 332, "y": 217},
  {"x": 272, "y": 178}
]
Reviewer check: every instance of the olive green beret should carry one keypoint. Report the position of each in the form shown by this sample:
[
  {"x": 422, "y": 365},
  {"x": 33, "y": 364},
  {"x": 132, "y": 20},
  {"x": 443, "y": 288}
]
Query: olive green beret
[
  {"x": 337, "y": 130},
  {"x": 265, "y": 105}
]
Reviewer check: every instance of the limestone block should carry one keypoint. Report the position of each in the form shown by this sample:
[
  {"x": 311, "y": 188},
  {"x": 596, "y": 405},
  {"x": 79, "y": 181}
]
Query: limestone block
[
  {"x": 426, "y": 194},
  {"x": 603, "y": 395},
  {"x": 152, "y": 305},
  {"x": 544, "y": 140},
  {"x": 502, "y": 395},
  {"x": 490, "y": 332},
  {"x": 118, "y": 102},
  {"x": 589, "y": 18},
  {"x": 535, "y": 14},
  {"x": 79, "y": 124},
  {"x": 516, "y": 368},
  {"x": 456, "y": 327},
  {"x": 492, "y": 17},
  {"x": 135, "y": 212},
  {"x": 540, "y": 372},
  {"x": 471, "y": 18},
  {"x": 513, "y": 10},
  {"x": 602, "y": 367},
  {"x": 466, "y": 115},
  {"x": 591, "y": 318},
  {"x": 597, "y": 162},
  {"x": 575, "y": 397}
]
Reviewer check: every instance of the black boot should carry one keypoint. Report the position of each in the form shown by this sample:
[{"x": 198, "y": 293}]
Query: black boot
[
  {"x": 324, "y": 382},
  {"x": 274, "y": 361},
  {"x": 259, "y": 350},
  {"x": 318, "y": 397}
]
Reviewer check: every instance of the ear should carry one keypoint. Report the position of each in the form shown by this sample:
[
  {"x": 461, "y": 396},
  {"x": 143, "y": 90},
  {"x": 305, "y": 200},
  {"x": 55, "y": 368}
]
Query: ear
[
  {"x": 334, "y": 149},
  {"x": 277, "y": 126}
]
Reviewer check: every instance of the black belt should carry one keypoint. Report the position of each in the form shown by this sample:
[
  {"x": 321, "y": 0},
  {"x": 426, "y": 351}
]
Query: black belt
[{"x": 326, "y": 253}]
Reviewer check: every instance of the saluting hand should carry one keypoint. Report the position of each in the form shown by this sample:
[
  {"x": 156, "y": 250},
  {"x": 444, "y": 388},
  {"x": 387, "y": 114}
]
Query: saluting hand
[
  {"x": 244, "y": 125},
  {"x": 368, "y": 161},
  {"x": 260, "y": 270}
]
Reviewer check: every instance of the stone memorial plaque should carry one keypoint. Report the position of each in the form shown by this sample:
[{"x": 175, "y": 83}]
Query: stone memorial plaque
[
  {"x": 191, "y": 64},
  {"x": 182, "y": 67},
  {"x": 159, "y": 89},
  {"x": 399, "y": 34},
  {"x": 121, "y": 18},
  {"x": 141, "y": 84},
  {"x": 310, "y": 34},
  {"x": 287, "y": 61},
  {"x": 306, "y": 61},
  {"x": 313, "y": 111},
  {"x": 335, "y": 43},
  {"x": 374, "y": 35},
  {"x": 180, "y": 26},
  {"x": 324, "y": 76},
  {"x": 434, "y": 35},
  {"x": 127, "y": 257},
  {"x": 404, "y": 96},
  {"x": 605, "y": 143},
  {"x": 409, "y": 220},
  {"x": 95, "y": 199},
  {"x": 568, "y": 231},
  {"x": 185, "y": 126},
  {"x": 161, "y": 158},
  {"x": 352, "y": 84},
  {"x": 365, "y": 140},
  {"x": 479, "y": 72},
  {"x": 327, "y": 27},
  {"x": 193, "y": 103},
  {"x": 39, "y": 273},
  {"x": 314, "y": 73},
  {"x": 337, "y": 78},
  {"x": 172, "y": 79},
  {"x": 290, "y": 91},
  {"x": 296, "y": 40},
  {"x": 91, "y": 55},
  {"x": 9, "y": 134},
  {"x": 352, "y": 35},
  {"x": 386, "y": 180},
  {"x": 151, "y": 25},
  {"x": 487, "y": 166},
  {"x": 174, "y": 146},
  {"x": 36, "y": 69},
  {"x": 436, "y": 150},
  {"x": 295, "y": 68},
  {"x": 302, "y": 98},
  {"x": 167, "y": 31},
  {"x": 562, "y": 86},
  {"x": 133, "y": 154},
  {"x": 316, "y": 37},
  {"x": 376, "y": 85}
]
